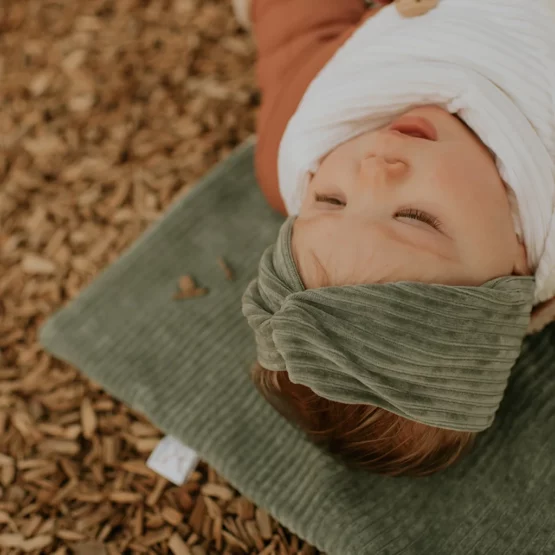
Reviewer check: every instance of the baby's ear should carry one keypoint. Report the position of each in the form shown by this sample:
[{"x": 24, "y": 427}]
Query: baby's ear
[{"x": 542, "y": 315}]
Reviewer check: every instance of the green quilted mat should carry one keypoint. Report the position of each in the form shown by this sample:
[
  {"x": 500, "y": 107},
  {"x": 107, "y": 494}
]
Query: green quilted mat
[{"x": 184, "y": 364}]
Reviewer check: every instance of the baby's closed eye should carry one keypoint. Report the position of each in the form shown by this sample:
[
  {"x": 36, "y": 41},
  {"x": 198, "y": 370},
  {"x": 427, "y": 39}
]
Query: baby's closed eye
[
  {"x": 337, "y": 201},
  {"x": 332, "y": 200},
  {"x": 420, "y": 215}
]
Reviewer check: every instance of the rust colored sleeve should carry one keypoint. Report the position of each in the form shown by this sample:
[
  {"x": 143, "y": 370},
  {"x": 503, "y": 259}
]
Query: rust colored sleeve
[{"x": 295, "y": 39}]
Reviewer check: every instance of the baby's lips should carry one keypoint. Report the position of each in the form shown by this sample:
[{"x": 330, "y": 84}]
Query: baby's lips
[{"x": 415, "y": 126}]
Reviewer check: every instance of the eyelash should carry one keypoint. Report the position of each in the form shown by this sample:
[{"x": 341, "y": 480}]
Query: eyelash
[
  {"x": 416, "y": 214},
  {"x": 329, "y": 200},
  {"x": 412, "y": 213}
]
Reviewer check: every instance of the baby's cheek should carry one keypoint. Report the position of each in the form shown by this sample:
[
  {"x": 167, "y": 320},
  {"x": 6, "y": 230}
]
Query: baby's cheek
[
  {"x": 476, "y": 202},
  {"x": 493, "y": 240}
]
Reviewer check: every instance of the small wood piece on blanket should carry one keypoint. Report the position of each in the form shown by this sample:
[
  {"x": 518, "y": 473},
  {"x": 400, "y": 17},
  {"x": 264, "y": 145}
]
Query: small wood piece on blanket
[
  {"x": 188, "y": 289},
  {"x": 228, "y": 271}
]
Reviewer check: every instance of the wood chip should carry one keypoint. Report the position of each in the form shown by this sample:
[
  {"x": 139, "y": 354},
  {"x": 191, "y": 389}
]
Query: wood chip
[
  {"x": 88, "y": 418},
  {"x": 242, "y": 532},
  {"x": 178, "y": 546},
  {"x": 124, "y": 497},
  {"x": 197, "y": 516},
  {"x": 137, "y": 547},
  {"x": 6, "y": 519},
  {"x": 158, "y": 536},
  {"x": 24, "y": 424},
  {"x": 7, "y": 475},
  {"x": 269, "y": 550},
  {"x": 36, "y": 265},
  {"x": 218, "y": 491},
  {"x": 89, "y": 548},
  {"x": 110, "y": 111},
  {"x": 36, "y": 543},
  {"x": 264, "y": 524},
  {"x": 110, "y": 449},
  {"x": 229, "y": 273},
  {"x": 154, "y": 520},
  {"x": 61, "y": 493},
  {"x": 146, "y": 444},
  {"x": 189, "y": 290},
  {"x": 308, "y": 550},
  {"x": 254, "y": 533},
  {"x": 213, "y": 509},
  {"x": 40, "y": 83},
  {"x": 156, "y": 492},
  {"x": 6, "y": 461},
  {"x": 60, "y": 446},
  {"x": 217, "y": 530},
  {"x": 88, "y": 497},
  {"x": 11, "y": 540},
  {"x": 171, "y": 516},
  {"x": 236, "y": 542},
  {"x": 245, "y": 509},
  {"x": 70, "y": 535},
  {"x": 138, "y": 521},
  {"x": 141, "y": 429},
  {"x": 137, "y": 467}
]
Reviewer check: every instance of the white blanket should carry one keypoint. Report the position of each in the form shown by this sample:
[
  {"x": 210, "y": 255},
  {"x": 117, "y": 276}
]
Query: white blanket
[{"x": 490, "y": 61}]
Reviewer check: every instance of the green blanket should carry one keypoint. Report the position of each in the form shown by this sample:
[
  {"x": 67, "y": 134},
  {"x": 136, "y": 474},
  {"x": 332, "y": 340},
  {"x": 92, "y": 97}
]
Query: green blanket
[{"x": 185, "y": 365}]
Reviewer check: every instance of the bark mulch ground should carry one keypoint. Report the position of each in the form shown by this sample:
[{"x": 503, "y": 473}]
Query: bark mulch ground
[{"x": 108, "y": 110}]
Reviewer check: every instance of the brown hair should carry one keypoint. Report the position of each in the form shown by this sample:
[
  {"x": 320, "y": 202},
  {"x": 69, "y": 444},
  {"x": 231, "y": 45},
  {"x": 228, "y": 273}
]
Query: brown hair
[{"x": 363, "y": 435}]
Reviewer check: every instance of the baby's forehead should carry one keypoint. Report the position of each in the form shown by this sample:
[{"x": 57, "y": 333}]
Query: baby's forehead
[
  {"x": 325, "y": 259},
  {"x": 311, "y": 270}
]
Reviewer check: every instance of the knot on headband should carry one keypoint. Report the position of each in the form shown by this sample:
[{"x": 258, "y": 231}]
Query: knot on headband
[{"x": 436, "y": 354}]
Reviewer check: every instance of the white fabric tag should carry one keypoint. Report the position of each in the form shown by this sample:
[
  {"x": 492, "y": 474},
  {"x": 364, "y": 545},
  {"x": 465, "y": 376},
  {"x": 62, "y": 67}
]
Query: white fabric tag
[{"x": 173, "y": 460}]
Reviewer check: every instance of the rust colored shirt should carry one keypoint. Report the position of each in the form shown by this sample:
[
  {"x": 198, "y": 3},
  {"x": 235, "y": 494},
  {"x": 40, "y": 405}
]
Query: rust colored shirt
[{"x": 295, "y": 40}]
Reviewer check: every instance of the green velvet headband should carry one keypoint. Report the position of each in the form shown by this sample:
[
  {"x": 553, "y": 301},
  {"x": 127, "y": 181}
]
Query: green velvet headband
[{"x": 435, "y": 354}]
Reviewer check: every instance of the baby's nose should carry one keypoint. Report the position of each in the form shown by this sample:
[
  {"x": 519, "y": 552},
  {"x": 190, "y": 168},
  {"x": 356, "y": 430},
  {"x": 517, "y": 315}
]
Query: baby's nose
[{"x": 382, "y": 170}]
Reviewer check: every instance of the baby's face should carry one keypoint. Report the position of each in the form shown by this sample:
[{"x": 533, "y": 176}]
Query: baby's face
[{"x": 420, "y": 200}]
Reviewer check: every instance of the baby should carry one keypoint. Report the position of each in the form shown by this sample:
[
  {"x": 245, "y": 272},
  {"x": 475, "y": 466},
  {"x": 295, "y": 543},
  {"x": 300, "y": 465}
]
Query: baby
[{"x": 397, "y": 165}]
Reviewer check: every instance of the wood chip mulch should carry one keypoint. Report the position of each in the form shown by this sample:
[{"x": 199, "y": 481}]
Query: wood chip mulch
[{"x": 108, "y": 110}]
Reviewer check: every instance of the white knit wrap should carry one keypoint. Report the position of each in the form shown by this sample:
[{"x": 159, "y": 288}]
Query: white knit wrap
[{"x": 492, "y": 62}]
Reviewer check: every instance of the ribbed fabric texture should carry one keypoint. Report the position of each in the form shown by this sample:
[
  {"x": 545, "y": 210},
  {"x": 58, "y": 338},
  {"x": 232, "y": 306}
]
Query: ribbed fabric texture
[
  {"x": 185, "y": 365},
  {"x": 490, "y": 61},
  {"x": 436, "y": 354}
]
